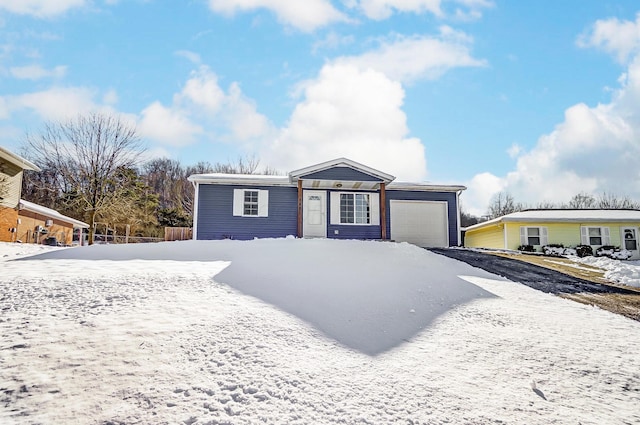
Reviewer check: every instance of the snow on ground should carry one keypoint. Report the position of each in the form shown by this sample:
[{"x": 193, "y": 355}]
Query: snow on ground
[
  {"x": 300, "y": 331},
  {"x": 622, "y": 272}
]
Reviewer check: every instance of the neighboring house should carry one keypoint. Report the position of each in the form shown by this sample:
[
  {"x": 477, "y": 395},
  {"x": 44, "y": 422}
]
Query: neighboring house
[
  {"x": 567, "y": 227},
  {"x": 38, "y": 224},
  {"x": 338, "y": 199},
  {"x": 12, "y": 167}
]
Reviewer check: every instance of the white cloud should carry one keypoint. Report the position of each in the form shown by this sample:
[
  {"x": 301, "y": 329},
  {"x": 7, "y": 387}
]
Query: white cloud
[
  {"x": 410, "y": 58},
  {"x": 244, "y": 120},
  {"x": 110, "y": 97},
  {"x": 306, "y": 15},
  {"x": 383, "y": 9},
  {"x": 202, "y": 89},
  {"x": 167, "y": 125},
  {"x": 514, "y": 150},
  {"x": 353, "y": 113},
  {"x": 202, "y": 107},
  {"x": 190, "y": 56},
  {"x": 56, "y": 103},
  {"x": 332, "y": 40},
  {"x": 618, "y": 38},
  {"x": 40, "y": 8},
  {"x": 594, "y": 150},
  {"x": 471, "y": 9},
  {"x": 479, "y": 192},
  {"x": 36, "y": 72}
]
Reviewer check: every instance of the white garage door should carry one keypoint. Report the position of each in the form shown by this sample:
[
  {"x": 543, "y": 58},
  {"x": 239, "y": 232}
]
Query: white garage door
[{"x": 423, "y": 223}]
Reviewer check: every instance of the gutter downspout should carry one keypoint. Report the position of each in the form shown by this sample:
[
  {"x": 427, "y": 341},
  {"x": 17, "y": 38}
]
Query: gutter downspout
[
  {"x": 504, "y": 227},
  {"x": 196, "y": 188},
  {"x": 458, "y": 208}
]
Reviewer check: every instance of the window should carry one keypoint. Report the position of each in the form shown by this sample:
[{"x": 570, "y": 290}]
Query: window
[
  {"x": 354, "y": 208},
  {"x": 250, "y": 203},
  {"x": 250, "y": 206},
  {"x": 595, "y": 235},
  {"x": 533, "y": 236}
]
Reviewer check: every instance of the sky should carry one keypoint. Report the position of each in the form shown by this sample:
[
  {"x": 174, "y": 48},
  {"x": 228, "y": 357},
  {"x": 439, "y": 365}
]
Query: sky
[{"x": 539, "y": 99}]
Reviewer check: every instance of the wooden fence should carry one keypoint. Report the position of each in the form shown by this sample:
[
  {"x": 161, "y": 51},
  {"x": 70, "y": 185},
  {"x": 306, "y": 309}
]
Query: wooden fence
[{"x": 178, "y": 233}]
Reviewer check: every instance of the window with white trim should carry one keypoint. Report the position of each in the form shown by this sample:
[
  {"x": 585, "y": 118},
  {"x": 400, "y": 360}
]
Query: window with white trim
[
  {"x": 250, "y": 203},
  {"x": 535, "y": 236},
  {"x": 355, "y": 208},
  {"x": 595, "y": 235}
]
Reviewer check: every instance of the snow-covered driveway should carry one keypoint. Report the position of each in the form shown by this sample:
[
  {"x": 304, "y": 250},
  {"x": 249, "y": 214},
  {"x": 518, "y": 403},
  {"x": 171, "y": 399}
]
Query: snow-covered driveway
[{"x": 303, "y": 332}]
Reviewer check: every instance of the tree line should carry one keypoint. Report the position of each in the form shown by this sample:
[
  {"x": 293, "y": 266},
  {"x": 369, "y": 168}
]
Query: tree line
[
  {"x": 93, "y": 171},
  {"x": 504, "y": 203}
]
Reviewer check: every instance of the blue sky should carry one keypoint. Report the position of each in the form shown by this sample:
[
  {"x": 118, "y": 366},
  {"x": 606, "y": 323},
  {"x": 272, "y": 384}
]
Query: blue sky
[{"x": 537, "y": 98}]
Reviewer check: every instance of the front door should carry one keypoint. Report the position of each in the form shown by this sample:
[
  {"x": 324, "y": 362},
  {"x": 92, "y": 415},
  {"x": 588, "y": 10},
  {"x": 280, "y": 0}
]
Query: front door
[
  {"x": 314, "y": 214},
  {"x": 630, "y": 240}
]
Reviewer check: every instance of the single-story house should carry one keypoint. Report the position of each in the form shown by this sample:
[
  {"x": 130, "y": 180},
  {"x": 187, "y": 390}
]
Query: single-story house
[
  {"x": 338, "y": 199},
  {"x": 38, "y": 224},
  {"x": 12, "y": 167},
  {"x": 594, "y": 227}
]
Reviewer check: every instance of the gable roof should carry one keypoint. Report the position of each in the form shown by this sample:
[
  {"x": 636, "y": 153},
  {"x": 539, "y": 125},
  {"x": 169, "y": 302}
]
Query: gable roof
[
  {"x": 564, "y": 215},
  {"x": 49, "y": 213},
  {"x": 17, "y": 160},
  {"x": 340, "y": 162}
]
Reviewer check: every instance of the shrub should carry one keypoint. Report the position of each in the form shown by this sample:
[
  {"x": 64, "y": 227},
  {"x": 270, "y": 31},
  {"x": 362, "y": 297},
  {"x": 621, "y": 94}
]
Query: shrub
[
  {"x": 584, "y": 250},
  {"x": 526, "y": 248},
  {"x": 554, "y": 250},
  {"x": 613, "y": 252}
]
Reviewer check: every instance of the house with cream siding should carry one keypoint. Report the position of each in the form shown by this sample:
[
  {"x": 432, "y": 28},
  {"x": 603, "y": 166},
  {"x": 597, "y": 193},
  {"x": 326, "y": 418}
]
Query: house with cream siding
[{"x": 12, "y": 167}]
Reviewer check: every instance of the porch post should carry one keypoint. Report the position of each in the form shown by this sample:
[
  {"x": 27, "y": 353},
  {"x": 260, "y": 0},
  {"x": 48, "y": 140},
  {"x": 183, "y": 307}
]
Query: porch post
[
  {"x": 383, "y": 212},
  {"x": 299, "y": 208}
]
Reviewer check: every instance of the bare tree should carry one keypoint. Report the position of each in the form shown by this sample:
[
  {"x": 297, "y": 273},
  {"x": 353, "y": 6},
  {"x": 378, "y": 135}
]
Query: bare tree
[
  {"x": 582, "y": 201},
  {"x": 85, "y": 155},
  {"x": 611, "y": 201},
  {"x": 546, "y": 205},
  {"x": 503, "y": 203}
]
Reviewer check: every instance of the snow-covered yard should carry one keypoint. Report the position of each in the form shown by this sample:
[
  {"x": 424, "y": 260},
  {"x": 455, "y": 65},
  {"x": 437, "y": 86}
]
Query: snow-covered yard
[{"x": 299, "y": 332}]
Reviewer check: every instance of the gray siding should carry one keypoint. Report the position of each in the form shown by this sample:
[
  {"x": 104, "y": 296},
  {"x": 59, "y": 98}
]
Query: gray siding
[
  {"x": 341, "y": 173},
  {"x": 449, "y": 197},
  {"x": 216, "y": 220}
]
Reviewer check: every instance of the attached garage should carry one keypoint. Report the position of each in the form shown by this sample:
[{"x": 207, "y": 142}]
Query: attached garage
[{"x": 423, "y": 223}]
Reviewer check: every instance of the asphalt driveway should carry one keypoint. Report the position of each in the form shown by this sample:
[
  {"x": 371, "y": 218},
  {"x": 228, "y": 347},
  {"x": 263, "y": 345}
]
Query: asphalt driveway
[{"x": 540, "y": 278}]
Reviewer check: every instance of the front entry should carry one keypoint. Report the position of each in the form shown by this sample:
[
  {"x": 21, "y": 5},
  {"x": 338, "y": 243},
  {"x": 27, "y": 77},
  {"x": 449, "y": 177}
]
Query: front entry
[
  {"x": 314, "y": 214},
  {"x": 630, "y": 240}
]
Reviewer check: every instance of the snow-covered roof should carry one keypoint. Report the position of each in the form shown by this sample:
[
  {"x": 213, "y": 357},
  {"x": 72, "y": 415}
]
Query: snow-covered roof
[
  {"x": 53, "y": 214},
  {"x": 341, "y": 162},
  {"x": 257, "y": 179},
  {"x": 18, "y": 160},
  {"x": 564, "y": 215},
  {"x": 425, "y": 187}
]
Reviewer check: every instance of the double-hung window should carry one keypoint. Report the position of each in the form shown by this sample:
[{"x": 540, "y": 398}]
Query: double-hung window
[
  {"x": 595, "y": 236},
  {"x": 535, "y": 236},
  {"x": 355, "y": 208},
  {"x": 250, "y": 203}
]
